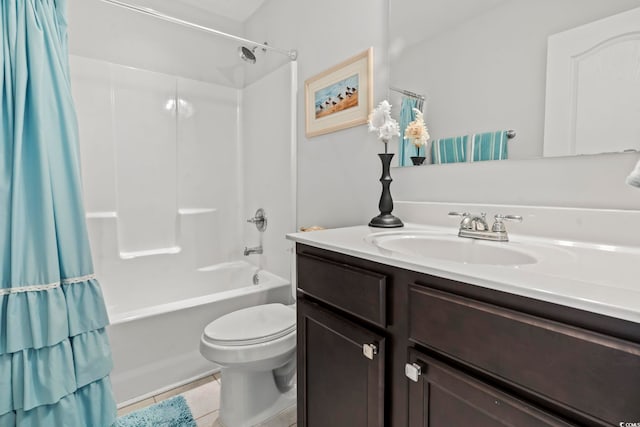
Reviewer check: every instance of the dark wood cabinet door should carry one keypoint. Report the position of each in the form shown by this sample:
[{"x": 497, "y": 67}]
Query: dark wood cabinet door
[
  {"x": 446, "y": 397},
  {"x": 338, "y": 386}
]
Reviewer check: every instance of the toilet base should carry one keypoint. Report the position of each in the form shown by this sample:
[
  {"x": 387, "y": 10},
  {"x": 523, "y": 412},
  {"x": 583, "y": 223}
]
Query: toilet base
[{"x": 248, "y": 397}]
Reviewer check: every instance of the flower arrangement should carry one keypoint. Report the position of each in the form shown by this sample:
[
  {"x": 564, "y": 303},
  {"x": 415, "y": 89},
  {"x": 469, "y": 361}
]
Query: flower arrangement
[
  {"x": 380, "y": 121},
  {"x": 416, "y": 131}
]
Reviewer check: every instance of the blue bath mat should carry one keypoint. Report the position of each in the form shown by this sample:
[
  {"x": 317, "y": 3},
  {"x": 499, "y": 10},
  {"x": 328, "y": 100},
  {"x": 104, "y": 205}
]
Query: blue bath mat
[{"x": 173, "y": 412}]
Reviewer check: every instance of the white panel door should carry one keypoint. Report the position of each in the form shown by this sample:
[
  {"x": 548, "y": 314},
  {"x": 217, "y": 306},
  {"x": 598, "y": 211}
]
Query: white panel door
[{"x": 593, "y": 88}]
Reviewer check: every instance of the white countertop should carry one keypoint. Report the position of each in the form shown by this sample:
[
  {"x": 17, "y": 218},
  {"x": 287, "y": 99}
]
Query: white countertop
[{"x": 603, "y": 279}]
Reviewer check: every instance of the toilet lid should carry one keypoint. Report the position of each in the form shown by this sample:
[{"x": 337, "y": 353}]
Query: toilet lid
[{"x": 252, "y": 325}]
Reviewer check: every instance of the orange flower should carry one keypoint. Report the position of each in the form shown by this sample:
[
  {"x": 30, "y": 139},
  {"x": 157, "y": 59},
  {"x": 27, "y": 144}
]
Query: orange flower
[{"x": 416, "y": 131}]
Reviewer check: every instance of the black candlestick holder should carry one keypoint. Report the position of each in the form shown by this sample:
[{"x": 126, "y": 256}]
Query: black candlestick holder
[{"x": 385, "y": 219}]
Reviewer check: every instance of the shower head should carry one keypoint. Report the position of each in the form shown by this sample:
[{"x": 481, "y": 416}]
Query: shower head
[{"x": 249, "y": 55}]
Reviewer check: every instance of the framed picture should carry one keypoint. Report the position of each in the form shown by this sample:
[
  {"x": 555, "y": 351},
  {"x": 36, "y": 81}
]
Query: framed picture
[{"x": 340, "y": 97}]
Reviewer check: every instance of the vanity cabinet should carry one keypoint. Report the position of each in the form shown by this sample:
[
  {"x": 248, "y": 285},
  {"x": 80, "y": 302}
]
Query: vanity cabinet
[{"x": 451, "y": 353}]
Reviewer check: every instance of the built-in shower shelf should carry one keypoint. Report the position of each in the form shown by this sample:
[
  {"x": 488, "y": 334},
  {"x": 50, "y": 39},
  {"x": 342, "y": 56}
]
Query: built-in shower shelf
[
  {"x": 196, "y": 211},
  {"x": 103, "y": 214},
  {"x": 183, "y": 211},
  {"x": 222, "y": 266},
  {"x": 159, "y": 251}
]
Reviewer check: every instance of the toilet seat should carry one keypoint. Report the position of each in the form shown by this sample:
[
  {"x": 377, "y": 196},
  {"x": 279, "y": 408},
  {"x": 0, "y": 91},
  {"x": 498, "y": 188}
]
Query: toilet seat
[{"x": 253, "y": 325}]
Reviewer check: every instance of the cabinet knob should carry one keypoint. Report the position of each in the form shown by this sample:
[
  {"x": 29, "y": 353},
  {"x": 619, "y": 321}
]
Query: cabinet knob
[
  {"x": 369, "y": 350},
  {"x": 413, "y": 371}
]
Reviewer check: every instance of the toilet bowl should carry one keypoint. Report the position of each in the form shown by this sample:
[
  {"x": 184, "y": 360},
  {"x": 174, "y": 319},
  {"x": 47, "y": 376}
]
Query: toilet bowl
[{"x": 255, "y": 348}]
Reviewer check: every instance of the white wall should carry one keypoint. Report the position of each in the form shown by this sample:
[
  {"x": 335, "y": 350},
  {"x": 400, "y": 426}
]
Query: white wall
[
  {"x": 160, "y": 172},
  {"x": 338, "y": 173},
  {"x": 582, "y": 181},
  {"x": 489, "y": 72},
  {"x": 509, "y": 96},
  {"x": 106, "y": 32},
  {"x": 163, "y": 174}
]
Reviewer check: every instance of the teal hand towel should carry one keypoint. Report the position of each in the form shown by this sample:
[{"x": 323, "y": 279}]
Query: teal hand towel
[
  {"x": 489, "y": 146},
  {"x": 449, "y": 150}
]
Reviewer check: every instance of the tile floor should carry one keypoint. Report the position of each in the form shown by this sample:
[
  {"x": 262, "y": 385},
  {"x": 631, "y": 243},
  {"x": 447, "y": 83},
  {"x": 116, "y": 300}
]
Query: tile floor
[{"x": 203, "y": 398}]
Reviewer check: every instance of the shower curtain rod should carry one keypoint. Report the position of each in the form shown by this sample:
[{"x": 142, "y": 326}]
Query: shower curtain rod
[
  {"x": 407, "y": 92},
  {"x": 292, "y": 54}
]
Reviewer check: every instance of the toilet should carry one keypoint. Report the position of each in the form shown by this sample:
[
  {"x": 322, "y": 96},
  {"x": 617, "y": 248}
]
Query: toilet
[{"x": 255, "y": 348}]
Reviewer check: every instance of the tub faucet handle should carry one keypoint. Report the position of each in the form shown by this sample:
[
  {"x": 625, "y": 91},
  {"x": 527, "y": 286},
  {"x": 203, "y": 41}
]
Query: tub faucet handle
[{"x": 259, "y": 219}]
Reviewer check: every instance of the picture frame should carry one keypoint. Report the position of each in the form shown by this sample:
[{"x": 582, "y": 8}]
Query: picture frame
[{"x": 340, "y": 97}]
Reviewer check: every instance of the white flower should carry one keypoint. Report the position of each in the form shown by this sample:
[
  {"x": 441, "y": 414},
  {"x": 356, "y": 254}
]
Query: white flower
[
  {"x": 416, "y": 131},
  {"x": 380, "y": 121},
  {"x": 389, "y": 130}
]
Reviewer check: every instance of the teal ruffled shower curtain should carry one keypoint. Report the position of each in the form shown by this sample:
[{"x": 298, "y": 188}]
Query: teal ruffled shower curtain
[{"x": 54, "y": 352}]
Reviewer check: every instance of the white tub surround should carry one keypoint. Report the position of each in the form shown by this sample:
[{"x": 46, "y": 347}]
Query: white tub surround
[
  {"x": 166, "y": 182},
  {"x": 571, "y": 269}
]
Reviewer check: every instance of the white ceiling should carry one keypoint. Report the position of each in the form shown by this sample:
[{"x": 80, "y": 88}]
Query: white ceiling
[
  {"x": 417, "y": 20},
  {"x": 238, "y": 10}
]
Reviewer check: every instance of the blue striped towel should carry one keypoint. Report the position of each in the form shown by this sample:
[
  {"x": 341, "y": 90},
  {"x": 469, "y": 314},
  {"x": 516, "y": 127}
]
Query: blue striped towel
[
  {"x": 449, "y": 150},
  {"x": 489, "y": 146}
]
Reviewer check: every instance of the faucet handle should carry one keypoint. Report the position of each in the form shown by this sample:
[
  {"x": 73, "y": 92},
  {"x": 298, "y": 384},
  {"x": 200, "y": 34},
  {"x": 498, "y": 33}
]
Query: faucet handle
[
  {"x": 467, "y": 219},
  {"x": 500, "y": 217},
  {"x": 462, "y": 214},
  {"x": 259, "y": 219},
  {"x": 498, "y": 225}
]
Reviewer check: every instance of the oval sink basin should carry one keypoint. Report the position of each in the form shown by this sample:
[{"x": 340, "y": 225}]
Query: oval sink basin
[{"x": 451, "y": 248}]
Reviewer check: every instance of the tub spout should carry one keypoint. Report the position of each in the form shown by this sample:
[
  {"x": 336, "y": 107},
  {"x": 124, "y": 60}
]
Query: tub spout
[{"x": 254, "y": 250}]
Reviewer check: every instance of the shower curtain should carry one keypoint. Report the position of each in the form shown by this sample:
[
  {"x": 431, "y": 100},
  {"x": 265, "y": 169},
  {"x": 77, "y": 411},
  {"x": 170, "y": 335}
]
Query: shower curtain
[
  {"x": 54, "y": 352},
  {"x": 407, "y": 115}
]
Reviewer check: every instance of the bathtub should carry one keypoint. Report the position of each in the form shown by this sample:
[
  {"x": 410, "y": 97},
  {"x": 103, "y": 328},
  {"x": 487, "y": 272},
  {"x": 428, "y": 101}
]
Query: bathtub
[{"x": 155, "y": 335}]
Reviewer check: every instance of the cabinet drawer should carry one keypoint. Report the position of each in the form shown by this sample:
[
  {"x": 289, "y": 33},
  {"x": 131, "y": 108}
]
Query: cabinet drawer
[
  {"x": 594, "y": 374},
  {"x": 359, "y": 292}
]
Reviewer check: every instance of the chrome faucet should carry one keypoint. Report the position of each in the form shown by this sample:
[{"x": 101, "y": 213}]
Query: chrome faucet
[
  {"x": 474, "y": 222},
  {"x": 254, "y": 250},
  {"x": 476, "y": 227}
]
